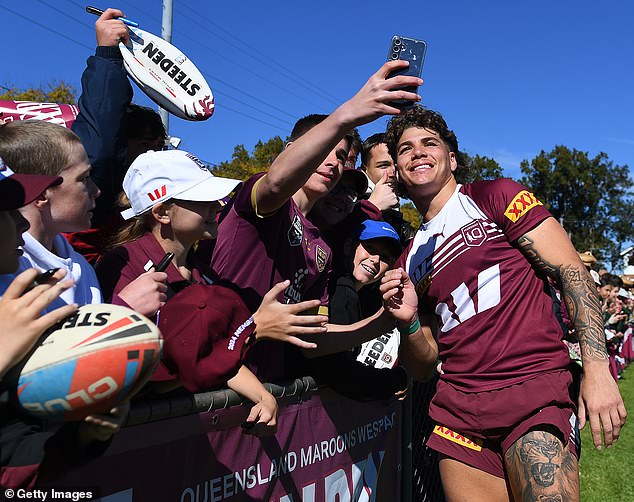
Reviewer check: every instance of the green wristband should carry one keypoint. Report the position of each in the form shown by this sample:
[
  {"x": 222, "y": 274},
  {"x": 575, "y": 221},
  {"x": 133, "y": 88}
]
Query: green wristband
[{"x": 411, "y": 329}]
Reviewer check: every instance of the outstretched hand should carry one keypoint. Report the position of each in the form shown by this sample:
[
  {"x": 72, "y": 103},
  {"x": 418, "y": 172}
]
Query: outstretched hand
[
  {"x": 374, "y": 98},
  {"x": 21, "y": 322},
  {"x": 284, "y": 322},
  {"x": 399, "y": 296}
]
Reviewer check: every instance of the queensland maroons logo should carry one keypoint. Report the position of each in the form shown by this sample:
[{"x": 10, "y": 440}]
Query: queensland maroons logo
[{"x": 474, "y": 234}]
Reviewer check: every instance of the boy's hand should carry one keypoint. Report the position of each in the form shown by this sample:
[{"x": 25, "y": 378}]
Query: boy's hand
[
  {"x": 373, "y": 100},
  {"x": 284, "y": 322},
  {"x": 21, "y": 322},
  {"x": 110, "y": 30}
]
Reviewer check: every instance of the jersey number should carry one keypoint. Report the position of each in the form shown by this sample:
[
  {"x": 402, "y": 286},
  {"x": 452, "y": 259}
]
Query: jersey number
[{"x": 488, "y": 296}]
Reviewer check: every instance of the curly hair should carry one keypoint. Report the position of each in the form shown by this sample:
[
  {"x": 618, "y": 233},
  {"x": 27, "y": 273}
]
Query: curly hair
[{"x": 419, "y": 116}]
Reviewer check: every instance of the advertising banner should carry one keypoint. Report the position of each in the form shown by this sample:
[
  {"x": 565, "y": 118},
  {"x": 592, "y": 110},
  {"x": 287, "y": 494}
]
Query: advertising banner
[{"x": 327, "y": 448}]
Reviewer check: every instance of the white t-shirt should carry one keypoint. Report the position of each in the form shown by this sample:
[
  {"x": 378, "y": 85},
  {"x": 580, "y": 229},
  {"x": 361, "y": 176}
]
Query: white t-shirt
[{"x": 86, "y": 289}]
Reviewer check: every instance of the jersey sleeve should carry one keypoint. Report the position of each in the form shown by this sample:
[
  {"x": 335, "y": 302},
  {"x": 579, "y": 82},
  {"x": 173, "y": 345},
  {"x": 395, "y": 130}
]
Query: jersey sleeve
[{"x": 513, "y": 207}]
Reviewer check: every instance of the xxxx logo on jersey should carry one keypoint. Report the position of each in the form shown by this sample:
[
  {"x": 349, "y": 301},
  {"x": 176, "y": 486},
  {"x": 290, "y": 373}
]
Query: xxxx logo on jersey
[{"x": 522, "y": 204}]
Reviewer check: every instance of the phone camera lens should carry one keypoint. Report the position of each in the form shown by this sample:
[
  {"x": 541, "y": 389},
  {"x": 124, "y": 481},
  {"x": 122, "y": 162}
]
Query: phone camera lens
[{"x": 397, "y": 41}]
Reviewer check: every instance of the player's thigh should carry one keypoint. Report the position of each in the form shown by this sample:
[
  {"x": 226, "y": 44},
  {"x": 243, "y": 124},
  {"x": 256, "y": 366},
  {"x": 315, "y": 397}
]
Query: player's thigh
[
  {"x": 463, "y": 483},
  {"x": 540, "y": 467}
]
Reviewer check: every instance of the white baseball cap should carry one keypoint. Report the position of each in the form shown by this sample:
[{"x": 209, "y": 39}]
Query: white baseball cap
[{"x": 155, "y": 177}]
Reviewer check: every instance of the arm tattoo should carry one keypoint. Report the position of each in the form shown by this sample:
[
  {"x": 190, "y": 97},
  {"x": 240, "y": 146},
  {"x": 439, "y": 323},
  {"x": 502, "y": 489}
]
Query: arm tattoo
[
  {"x": 581, "y": 297},
  {"x": 526, "y": 247}
]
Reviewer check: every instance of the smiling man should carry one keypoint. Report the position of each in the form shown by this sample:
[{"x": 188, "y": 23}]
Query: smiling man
[{"x": 478, "y": 299}]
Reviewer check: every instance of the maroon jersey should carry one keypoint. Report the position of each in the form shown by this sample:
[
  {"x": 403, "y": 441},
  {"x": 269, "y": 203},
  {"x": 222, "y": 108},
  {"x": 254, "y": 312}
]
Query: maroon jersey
[
  {"x": 254, "y": 252},
  {"x": 492, "y": 315}
]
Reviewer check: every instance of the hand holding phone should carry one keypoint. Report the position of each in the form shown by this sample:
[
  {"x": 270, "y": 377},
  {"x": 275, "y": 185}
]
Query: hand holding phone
[{"x": 407, "y": 49}]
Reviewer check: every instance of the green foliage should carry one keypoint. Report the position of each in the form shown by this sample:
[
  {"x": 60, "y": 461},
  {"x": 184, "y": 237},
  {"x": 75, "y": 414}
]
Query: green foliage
[
  {"x": 605, "y": 475},
  {"x": 242, "y": 165},
  {"x": 60, "y": 93},
  {"x": 478, "y": 168},
  {"x": 592, "y": 197},
  {"x": 411, "y": 214}
]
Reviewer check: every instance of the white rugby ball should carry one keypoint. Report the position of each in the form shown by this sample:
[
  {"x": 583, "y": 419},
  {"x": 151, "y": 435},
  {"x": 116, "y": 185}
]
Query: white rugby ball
[
  {"x": 87, "y": 363},
  {"x": 167, "y": 76}
]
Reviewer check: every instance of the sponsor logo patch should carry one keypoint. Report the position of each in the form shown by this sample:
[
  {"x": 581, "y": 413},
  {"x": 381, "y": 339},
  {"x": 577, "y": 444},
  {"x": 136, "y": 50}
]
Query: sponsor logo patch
[
  {"x": 296, "y": 232},
  {"x": 461, "y": 439},
  {"x": 522, "y": 204},
  {"x": 157, "y": 193},
  {"x": 321, "y": 256}
]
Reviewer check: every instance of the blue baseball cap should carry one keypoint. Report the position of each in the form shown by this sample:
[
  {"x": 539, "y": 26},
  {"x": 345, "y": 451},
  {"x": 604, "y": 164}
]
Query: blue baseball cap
[{"x": 371, "y": 229}]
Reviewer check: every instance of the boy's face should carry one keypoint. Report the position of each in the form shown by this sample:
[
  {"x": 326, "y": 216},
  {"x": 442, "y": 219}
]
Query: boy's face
[
  {"x": 329, "y": 171},
  {"x": 371, "y": 260},
  {"x": 12, "y": 226},
  {"x": 72, "y": 202},
  {"x": 336, "y": 205},
  {"x": 380, "y": 162}
]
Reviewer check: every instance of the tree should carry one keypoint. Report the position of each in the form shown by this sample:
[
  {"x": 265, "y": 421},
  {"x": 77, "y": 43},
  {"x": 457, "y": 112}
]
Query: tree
[
  {"x": 411, "y": 214},
  {"x": 60, "y": 93},
  {"x": 242, "y": 165},
  {"x": 478, "y": 168},
  {"x": 591, "y": 197}
]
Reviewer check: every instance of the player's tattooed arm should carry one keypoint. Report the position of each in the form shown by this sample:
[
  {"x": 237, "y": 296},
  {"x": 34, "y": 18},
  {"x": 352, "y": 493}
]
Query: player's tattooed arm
[
  {"x": 549, "y": 249},
  {"x": 580, "y": 294}
]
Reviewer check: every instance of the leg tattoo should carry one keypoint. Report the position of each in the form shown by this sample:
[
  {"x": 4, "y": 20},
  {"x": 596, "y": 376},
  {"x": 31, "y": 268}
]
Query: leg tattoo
[{"x": 540, "y": 468}]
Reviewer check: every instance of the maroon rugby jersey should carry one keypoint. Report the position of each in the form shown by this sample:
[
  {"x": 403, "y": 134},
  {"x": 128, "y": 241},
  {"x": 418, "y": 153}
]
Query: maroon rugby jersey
[
  {"x": 492, "y": 315},
  {"x": 255, "y": 252}
]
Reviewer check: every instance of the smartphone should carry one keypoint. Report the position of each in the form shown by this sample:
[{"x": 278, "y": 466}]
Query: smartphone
[{"x": 412, "y": 50}]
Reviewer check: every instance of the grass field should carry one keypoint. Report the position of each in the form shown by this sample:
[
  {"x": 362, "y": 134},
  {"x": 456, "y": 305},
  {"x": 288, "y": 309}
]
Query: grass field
[{"x": 608, "y": 475}]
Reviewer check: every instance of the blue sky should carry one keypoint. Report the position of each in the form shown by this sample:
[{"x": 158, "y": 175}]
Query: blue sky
[{"x": 511, "y": 78}]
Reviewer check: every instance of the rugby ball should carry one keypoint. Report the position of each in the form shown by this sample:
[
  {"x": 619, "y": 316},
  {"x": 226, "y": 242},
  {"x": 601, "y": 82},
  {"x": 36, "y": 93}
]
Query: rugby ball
[
  {"x": 87, "y": 363},
  {"x": 165, "y": 74}
]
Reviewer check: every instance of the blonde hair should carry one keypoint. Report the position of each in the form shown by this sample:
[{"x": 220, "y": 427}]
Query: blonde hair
[
  {"x": 36, "y": 147},
  {"x": 136, "y": 227}
]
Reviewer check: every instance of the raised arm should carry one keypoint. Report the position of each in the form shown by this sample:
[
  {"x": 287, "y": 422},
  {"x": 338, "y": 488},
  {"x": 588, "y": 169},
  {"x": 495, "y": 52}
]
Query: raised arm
[
  {"x": 292, "y": 168},
  {"x": 549, "y": 250},
  {"x": 106, "y": 94}
]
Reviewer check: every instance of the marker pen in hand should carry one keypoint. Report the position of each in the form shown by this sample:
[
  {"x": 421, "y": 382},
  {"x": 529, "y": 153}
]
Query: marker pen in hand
[
  {"x": 41, "y": 279},
  {"x": 99, "y": 12}
]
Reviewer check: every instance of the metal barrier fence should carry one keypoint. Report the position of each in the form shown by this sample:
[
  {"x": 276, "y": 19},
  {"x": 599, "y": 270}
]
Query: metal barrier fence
[
  {"x": 144, "y": 412},
  {"x": 420, "y": 473},
  {"x": 427, "y": 486}
]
